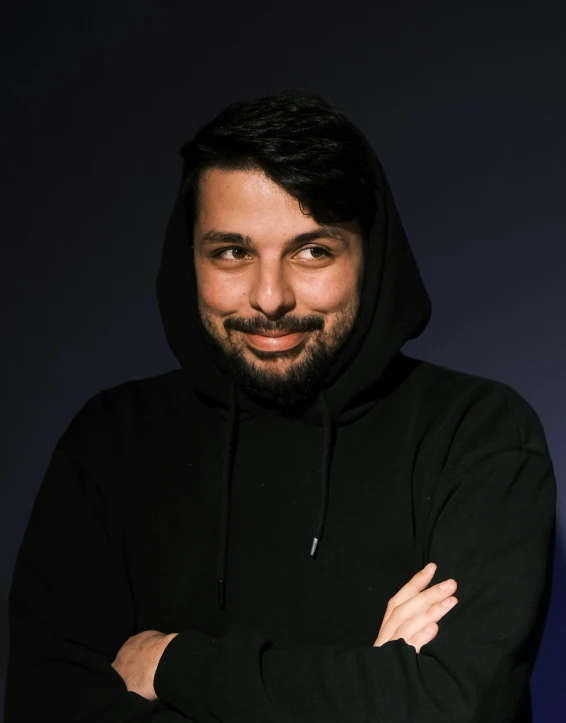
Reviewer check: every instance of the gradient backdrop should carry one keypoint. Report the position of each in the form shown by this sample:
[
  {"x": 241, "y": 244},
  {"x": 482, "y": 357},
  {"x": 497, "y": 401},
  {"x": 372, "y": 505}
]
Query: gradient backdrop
[{"x": 465, "y": 104}]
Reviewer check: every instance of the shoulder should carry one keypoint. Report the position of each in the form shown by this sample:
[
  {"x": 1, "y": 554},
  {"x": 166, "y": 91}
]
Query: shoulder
[
  {"x": 490, "y": 457},
  {"x": 480, "y": 412},
  {"x": 115, "y": 413}
]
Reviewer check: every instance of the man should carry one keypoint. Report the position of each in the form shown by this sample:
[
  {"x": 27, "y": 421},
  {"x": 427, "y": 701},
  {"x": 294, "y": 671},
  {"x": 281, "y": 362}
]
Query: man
[{"x": 245, "y": 538}]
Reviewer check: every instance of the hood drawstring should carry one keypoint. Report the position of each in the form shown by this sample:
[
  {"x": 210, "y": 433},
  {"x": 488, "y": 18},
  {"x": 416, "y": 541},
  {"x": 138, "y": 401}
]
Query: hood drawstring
[
  {"x": 225, "y": 496},
  {"x": 324, "y": 470},
  {"x": 227, "y": 459}
]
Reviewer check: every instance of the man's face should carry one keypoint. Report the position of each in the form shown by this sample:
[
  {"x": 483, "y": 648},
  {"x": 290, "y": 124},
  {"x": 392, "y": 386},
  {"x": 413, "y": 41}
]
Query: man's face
[{"x": 279, "y": 304}]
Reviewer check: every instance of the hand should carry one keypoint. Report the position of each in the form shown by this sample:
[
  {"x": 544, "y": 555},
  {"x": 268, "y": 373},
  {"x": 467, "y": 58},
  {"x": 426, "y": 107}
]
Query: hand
[
  {"x": 136, "y": 661},
  {"x": 412, "y": 614}
]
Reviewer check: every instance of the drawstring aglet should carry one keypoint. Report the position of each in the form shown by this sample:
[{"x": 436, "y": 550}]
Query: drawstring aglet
[{"x": 314, "y": 545}]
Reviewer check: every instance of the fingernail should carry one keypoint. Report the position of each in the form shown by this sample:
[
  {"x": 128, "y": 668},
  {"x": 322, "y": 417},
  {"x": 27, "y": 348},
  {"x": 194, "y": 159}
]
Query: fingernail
[
  {"x": 446, "y": 585},
  {"x": 430, "y": 567},
  {"x": 449, "y": 603}
]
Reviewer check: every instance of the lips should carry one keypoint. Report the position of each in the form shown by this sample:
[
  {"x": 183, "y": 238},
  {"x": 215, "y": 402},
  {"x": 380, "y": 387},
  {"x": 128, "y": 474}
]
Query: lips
[{"x": 275, "y": 340}]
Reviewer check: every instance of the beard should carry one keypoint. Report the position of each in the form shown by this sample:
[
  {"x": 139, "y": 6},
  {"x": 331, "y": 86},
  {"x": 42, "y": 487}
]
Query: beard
[{"x": 302, "y": 379}]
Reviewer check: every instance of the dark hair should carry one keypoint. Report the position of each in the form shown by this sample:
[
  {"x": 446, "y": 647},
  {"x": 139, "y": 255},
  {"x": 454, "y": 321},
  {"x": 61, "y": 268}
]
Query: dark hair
[{"x": 301, "y": 142}]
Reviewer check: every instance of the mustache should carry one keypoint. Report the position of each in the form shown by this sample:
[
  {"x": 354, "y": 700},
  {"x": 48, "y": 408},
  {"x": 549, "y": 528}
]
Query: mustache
[{"x": 257, "y": 325}]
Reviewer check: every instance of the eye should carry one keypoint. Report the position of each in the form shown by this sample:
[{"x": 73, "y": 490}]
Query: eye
[
  {"x": 318, "y": 253},
  {"x": 238, "y": 253}
]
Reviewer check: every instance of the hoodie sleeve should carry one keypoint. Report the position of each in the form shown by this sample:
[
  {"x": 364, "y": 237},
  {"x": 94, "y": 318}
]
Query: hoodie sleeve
[
  {"x": 491, "y": 527},
  {"x": 70, "y": 611}
]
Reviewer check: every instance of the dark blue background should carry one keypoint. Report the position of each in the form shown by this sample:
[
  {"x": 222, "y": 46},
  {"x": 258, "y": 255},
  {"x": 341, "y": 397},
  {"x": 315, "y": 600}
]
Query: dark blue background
[{"x": 465, "y": 104}]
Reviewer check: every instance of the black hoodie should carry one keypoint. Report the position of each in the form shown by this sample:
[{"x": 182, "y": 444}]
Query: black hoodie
[{"x": 175, "y": 503}]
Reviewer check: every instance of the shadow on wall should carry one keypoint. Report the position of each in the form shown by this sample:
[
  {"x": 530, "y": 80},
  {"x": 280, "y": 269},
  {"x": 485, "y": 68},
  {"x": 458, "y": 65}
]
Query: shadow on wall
[{"x": 547, "y": 683}]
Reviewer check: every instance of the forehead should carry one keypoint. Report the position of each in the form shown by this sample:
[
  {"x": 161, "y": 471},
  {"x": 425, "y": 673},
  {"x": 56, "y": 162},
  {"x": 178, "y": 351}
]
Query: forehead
[
  {"x": 243, "y": 194},
  {"x": 250, "y": 203}
]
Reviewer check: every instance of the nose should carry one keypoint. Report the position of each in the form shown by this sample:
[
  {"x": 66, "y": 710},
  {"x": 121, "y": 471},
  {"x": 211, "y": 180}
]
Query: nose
[{"x": 270, "y": 291}]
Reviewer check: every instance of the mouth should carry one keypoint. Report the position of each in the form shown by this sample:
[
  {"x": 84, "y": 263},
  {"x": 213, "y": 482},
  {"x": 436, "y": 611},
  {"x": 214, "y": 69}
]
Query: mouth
[{"x": 275, "y": 340}]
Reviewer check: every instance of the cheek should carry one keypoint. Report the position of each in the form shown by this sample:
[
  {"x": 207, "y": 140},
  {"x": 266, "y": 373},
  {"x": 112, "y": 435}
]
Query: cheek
[
  {"x": 220, "y": 293},
  {"x": 328, "y": 292}
]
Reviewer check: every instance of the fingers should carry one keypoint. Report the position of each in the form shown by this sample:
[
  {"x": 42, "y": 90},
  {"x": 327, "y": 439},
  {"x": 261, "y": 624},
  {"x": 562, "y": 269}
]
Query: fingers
[
  {"x": 419, "y": 604},
  {"x": 418, "y": 622},
  {"x": 422, "y": 637},
  {"x": 407, "y": 620},
  {"x": 413, "y": 607},
  {"x": 415, "y": 585}
]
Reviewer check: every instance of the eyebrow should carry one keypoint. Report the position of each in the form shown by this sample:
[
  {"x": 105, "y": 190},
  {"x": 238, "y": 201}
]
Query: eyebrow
[{"x": 214, "y": 236}]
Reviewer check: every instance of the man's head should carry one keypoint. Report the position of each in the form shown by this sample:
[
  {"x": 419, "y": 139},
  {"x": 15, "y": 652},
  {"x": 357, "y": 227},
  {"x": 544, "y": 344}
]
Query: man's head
[
  {"x": 282, "y": 197},
  {"x": 277, "y": 292}
]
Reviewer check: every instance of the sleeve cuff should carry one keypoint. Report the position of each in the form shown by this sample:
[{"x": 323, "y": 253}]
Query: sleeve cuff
[{"x": 182, "y": 672}]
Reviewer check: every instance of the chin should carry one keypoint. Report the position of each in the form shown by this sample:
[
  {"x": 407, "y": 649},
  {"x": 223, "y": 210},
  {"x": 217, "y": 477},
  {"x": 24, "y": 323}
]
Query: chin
[{"x": 274, "y": 360}]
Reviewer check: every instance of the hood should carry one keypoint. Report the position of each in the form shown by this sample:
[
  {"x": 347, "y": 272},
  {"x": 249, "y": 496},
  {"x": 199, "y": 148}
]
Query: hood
[{"x": 394, "y": 308}]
